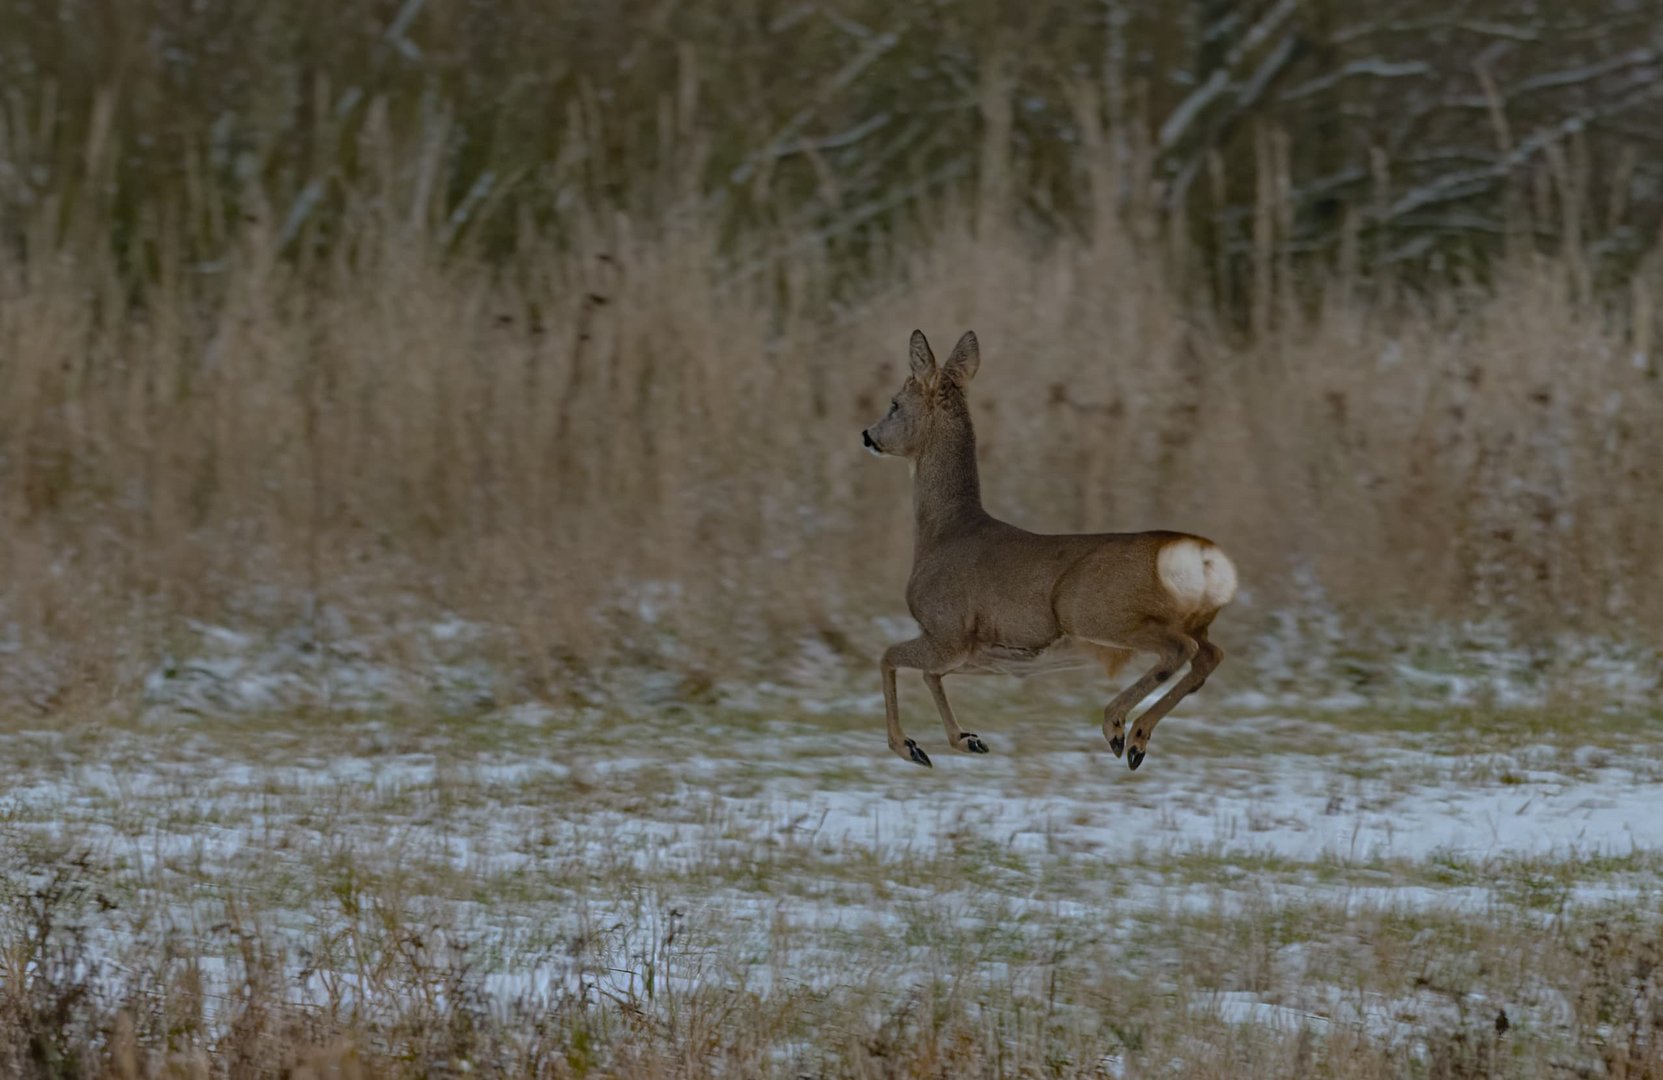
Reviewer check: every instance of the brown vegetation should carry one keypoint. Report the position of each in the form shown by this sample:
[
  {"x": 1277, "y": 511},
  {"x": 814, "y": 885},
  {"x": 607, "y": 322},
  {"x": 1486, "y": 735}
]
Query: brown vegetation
[
  {"x": 530, "y": 445},
  {"x": 273, "y": 358},
  {"x": 354, "y": 311}
]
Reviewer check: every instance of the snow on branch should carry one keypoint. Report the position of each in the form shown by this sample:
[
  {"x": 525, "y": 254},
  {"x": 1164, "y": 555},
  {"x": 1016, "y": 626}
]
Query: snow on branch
[
  {"x": 1218, "y": 81},
  {"x": 1466, "y": 182},
  {"x": 1372, "y": 66}
]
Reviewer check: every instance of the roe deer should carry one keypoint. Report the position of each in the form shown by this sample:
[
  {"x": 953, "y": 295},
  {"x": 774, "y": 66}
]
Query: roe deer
[{"x": 993, "y": 598}]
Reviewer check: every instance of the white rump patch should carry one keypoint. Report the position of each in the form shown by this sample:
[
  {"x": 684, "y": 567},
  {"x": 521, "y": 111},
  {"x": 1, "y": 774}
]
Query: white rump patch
[{"x": 1199, "y": 576}]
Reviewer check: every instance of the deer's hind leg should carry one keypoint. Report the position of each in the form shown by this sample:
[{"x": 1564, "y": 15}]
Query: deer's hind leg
[
  {"x": 1207, "y": 658},
  {"x": 1172, "y": 649},
  {"x": 924, "y": 654}
]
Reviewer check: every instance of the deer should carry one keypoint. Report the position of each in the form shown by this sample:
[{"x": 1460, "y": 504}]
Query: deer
[{"x": 991, "y": 598}]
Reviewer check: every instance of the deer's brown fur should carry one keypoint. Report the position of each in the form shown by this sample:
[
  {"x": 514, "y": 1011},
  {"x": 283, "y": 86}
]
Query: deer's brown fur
[{"x": 993, "y": 598}]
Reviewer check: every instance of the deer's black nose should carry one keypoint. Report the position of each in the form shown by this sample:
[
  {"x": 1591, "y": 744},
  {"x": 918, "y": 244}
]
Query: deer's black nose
[{"x": 866, "y": 441}]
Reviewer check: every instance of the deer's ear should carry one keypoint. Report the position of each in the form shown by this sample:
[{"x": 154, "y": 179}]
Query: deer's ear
[
  {"x": 967, "y": 357},
  {"x": 920, "y": 359}
]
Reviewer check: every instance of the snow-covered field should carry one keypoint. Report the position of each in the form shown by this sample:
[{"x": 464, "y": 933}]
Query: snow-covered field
[{"x": 1392, "y": 871}]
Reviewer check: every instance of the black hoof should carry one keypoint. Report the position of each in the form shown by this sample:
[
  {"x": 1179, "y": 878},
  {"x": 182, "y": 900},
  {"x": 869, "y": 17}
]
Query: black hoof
[
  {"x": 918, "y": 755},
  {"x": 1118, "y": 745},
  {"x": 1134, "y": 758},
  {"x": 973, "y": 744}
]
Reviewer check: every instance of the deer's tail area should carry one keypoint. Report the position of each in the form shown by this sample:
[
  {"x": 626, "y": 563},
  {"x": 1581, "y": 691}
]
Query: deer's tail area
[{"x": 1197, "y": 573}]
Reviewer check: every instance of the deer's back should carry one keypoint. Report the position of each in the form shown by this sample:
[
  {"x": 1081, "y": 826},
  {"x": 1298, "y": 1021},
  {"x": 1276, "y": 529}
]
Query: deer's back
[{"x": 1001, "y": 585}]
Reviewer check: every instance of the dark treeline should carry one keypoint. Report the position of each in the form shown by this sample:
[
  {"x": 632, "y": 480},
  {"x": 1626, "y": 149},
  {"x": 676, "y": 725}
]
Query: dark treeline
[{"x": 1409, "y": 132}]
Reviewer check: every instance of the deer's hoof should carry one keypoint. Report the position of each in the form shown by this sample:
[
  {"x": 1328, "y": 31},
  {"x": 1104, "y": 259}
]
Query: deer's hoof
[
  {"x": 972, "y": 744},
  {"x": 1117, "y": 745},
  {"x": 1134, "y": 758},
  {"x": 917, "y": 755}
]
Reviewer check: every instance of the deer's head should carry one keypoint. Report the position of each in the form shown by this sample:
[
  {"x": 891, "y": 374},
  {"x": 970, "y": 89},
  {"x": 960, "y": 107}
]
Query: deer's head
[{"x": 905, "y": 428}]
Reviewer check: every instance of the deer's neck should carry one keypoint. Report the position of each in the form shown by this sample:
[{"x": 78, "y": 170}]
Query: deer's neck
[{"x": 946, "y": 489}]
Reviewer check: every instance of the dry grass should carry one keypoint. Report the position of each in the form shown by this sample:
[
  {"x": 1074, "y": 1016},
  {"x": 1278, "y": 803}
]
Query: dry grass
[
  {"x": 536, "y": 445},
  {"x": 626, "y": 430},
  {"x": 719, "y": 893}
]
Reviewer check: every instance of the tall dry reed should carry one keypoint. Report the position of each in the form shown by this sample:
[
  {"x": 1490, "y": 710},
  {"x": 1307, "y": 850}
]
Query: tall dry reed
[
  {"x": 623, "y": 447},
  {"x": 632, "y": 435}
]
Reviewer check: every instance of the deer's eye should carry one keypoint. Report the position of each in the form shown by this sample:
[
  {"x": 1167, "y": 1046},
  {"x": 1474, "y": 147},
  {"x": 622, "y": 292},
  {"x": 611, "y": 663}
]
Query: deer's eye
[{"x": 894, "y": 407}]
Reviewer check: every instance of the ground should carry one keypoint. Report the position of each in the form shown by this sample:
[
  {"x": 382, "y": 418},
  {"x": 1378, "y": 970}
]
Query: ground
[{"x": 1288, "y": 878}]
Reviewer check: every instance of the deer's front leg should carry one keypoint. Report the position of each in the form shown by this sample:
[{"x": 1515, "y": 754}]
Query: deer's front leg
[
  {"x": 959, "y": 739},
  {"x": 919, "y": 653}
]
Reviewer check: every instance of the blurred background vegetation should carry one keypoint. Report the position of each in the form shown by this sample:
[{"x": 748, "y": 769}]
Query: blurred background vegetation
[
  {"x": 565, "y": 316},
  {"x": 1409, "y": 133}
]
